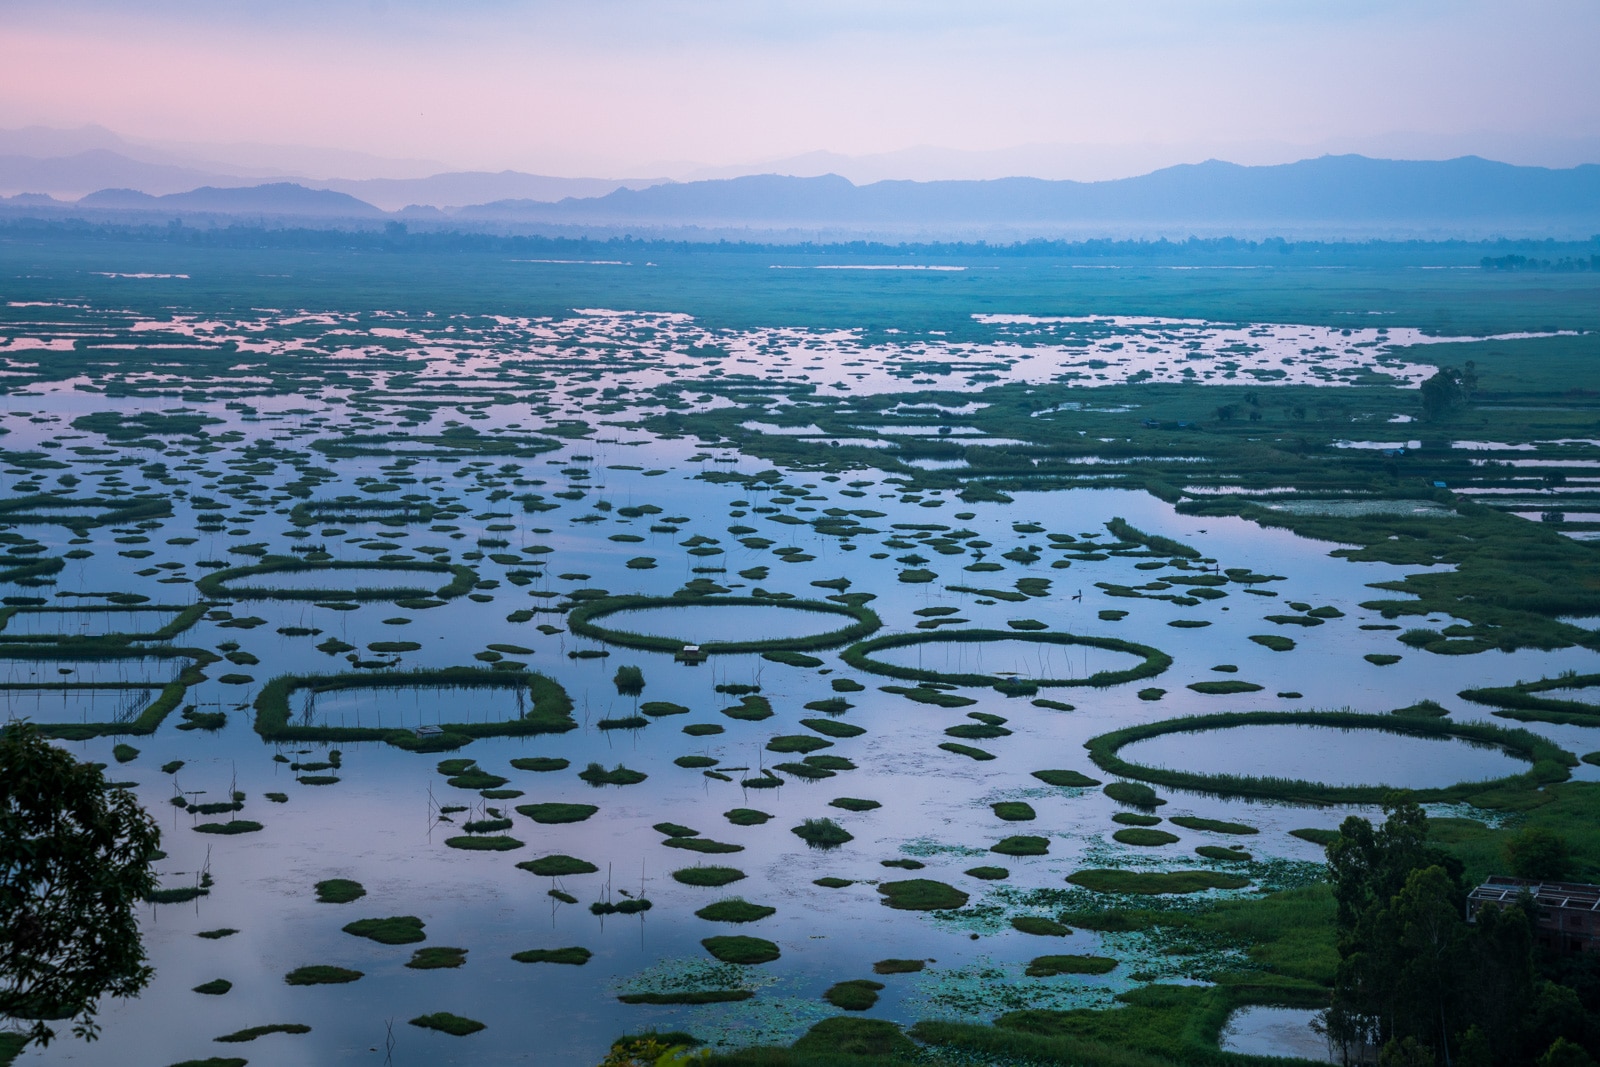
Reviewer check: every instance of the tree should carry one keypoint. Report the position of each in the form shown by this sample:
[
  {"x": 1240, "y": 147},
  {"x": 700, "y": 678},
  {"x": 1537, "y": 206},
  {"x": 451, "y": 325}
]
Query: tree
[
  {"x": 1540, "y": 854},
  {"x": 75, "y": 863},
  {"x": 1443, "y": 393}
]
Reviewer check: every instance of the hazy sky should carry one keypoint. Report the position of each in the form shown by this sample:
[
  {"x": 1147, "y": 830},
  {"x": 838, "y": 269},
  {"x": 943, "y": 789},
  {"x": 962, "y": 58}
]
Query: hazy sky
[{"x": 615, "y": 87}]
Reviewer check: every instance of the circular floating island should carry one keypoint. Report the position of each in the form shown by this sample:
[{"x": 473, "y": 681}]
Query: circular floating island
[
  {"x": 294, "y": 579},
  {"x": 1266, "y": 752},
  {"x": 1145, "y": 662},
  {"x": 672, "y": 624}
]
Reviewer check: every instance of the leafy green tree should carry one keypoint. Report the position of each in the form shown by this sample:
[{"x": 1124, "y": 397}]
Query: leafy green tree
[
  {"x": 75, "y": 863},
  {"x": 1540, "y": 854},
  {"x": 1443, "y": 393}
]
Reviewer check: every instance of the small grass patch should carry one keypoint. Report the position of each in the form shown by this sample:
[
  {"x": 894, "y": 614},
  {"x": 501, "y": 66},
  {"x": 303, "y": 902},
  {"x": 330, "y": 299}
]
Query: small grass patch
[
  {"x": 1316, "y": 836},
  {"x": 735, "y": 910},
  {"x": 1225, "y": 853},
  {"x": 218, "y": 934},
  {"x": 573, "y": 955},
  {"x": 1214, "y": 826},
  {"x": 854, "y": 804},
  {"x": 967, "y": 750},
  {"x": 1155, "y": 883},
  {"x": 596, "y": 775},
  {"x": 1144, "y": 837},
  {"x": 1050, "y": 966},
  {"x": 253, "y": 1032},
  {"x": 898, "y": 966},
  {"x": 702, "y": 845},
  {"x": 1225, "y": 687},
  {"x": 1273, "y": 641},
  {"x": 1133, "y": 794},
  {"x": 830, "y": 882},
  {"x": 1014, "y": 811},
  {"x": 822, "y": 833},
  {"x": 436, "y": 958},
  {"x": 339, "y": 891},
  {"x": 540, "y": 763},
  {"x": 484, "y": 843},
  {"x": 557, "y": 866},
  {"x": 448, "y": 1023},
  {"x": 322, "y": 974},
  {"x": 786, "y": 743},
  {"x": 229, "y": 828},
  {"x": 1132, "y": 818},
  {"x": 746, "y": 816},
  {"x": 707, "y": 876},
  {"x": 214, "y": 988},
  {"x": 396, "y": 930},
  {"x": 1022, "y": 845},
  {"x": 1381, "y": 659},
  {"x": 554, "y": 813},
  {"x": 1039, "y": 926},
  {"x": 857, "y": 994},
  {"x": 922, "y": 894},
  {"x": 1066, "y": 779},
  {"x": 741, "y": 949},
  {"x": 988, "y": 874}
]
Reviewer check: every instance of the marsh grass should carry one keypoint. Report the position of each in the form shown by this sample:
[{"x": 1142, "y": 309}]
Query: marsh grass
[
  {"x": 735, "y": 910},
  {"x": 856, "y": 994},
  {"x": 436, "y": 958},
  {"x": 447, "y": 1023},
  {"x": 711, "y": 877},
  {"x": 574, "y": 955},
  {"x": 822, "y": 833},
  {"x": 741, "y": 949},
  {"x": 922, "y": 894},
  {"x": 396, "y": 930},
  {"x": 321, "y": 974},
  {"x": 339, "y": 891}
]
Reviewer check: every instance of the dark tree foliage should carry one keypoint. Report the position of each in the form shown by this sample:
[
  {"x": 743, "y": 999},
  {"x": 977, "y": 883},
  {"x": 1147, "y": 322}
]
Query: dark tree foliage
[
  {"x": 75, "y": 863},
  {"x": 1421, "y": 983},
  {"x": 1447, "y": 390}
]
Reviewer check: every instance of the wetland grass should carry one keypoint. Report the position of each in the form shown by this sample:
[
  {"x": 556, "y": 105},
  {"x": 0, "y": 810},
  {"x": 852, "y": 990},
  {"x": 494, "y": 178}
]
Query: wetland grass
[
  {"x": 396, "y": 930},
  {"x": 253, "y": 1032},
  {"x": 709, "y": 877},
  {"x": 898, "y": 966},
  {"x": 339, "y": 891},
  {"x": 822, "y": 833},
  {"x": 437, "y": 958},
  {"x": 554, "y": 813},
  {"x": 746, "y": 816},
  {"x": 1023, "y": 845},
  {"x": 486, "y": 843},
  {"x": 1144, "y": 837},
  {"x": 1050, "y": 966},
  {"x": 1214, "y": 826},
  {"x": 856, "y": 994},
  {"x": 735, "y": 910},
  {"x": 921, "y": 894},
  {"x": 1066, "y": 779},
  {"x": 1014, "y": 811},
  {"x": 1039, "y": 926},
  {"x": 739, "y": 948},
  {"x": 1155, "y": 883},
  {"x": 322, "y": 974},
  {"x": 214, "y": 988},
  {"x": 573, "y": 955},
  {"x": 447, "y": 1023},
  {"x": 557, "y": 866}
]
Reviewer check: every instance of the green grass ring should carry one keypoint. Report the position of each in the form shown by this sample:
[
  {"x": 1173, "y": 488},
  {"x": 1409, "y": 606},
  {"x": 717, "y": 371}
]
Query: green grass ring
[
  {"x": 1549, "y": 761},
  {"x": 859, "y": 656},
  {"x": 582, "y": 621}
]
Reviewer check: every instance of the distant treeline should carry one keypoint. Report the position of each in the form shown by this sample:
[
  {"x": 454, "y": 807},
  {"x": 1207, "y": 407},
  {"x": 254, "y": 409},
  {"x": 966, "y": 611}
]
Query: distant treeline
[
  {"x": 395, "y": 237},
  {"x": 1565, "y": 263}
]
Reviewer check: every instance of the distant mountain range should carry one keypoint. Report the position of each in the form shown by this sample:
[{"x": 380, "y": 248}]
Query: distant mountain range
[{"x": 1331, "y": 195}]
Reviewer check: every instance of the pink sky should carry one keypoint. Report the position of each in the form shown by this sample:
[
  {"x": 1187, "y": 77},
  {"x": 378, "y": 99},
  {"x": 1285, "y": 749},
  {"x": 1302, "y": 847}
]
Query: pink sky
[{"x": 613, "y": 87}]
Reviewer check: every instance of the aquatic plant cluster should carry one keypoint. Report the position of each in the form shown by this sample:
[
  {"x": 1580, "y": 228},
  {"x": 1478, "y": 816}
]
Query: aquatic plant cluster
[{"x": 777, "y": 677}]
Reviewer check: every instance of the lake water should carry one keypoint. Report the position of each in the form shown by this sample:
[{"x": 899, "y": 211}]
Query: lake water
[{"x": 281, "y": 407}]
